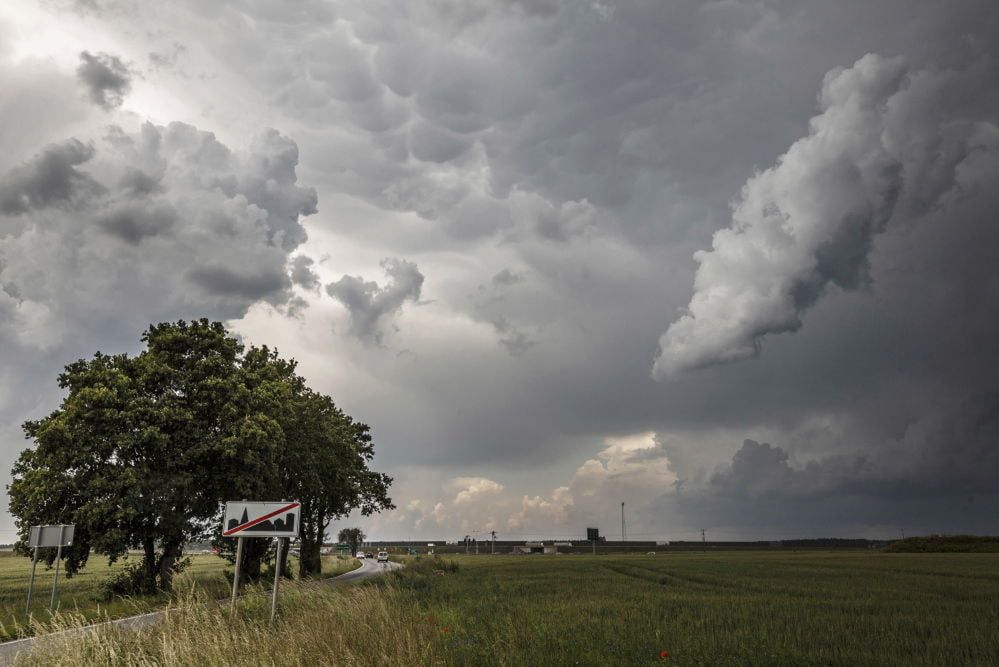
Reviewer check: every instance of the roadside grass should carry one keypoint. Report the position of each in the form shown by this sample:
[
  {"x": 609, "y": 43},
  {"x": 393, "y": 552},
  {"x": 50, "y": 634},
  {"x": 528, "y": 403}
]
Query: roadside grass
[
  {"x": 735, "y": 608},
  {"x": 317, "y": 625},
  {"x": 82, "y": 597}
]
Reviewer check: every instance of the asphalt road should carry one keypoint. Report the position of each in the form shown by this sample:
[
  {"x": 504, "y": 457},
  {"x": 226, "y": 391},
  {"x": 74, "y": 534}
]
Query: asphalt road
[{"x": 369, "y": 568}]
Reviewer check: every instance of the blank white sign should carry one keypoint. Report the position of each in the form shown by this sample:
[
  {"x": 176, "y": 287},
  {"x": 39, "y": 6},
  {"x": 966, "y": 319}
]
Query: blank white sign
[{"x": 51, "y": 536}]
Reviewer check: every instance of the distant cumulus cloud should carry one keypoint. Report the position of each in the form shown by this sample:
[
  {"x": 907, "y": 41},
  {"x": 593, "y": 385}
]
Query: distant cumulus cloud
[
  {"x": 473, "y": 488},
  {"x": 370, "y": 305},
  {"x": 106, "y": 78}
]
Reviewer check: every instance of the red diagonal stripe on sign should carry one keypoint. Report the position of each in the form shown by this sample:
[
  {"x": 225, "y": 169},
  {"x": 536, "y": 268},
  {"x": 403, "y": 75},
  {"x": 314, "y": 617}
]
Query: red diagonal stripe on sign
[{"x": 248, "y": 524}]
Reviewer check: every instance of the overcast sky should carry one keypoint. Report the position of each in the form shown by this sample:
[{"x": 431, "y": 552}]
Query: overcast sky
[{"x": 733, "y": 263}]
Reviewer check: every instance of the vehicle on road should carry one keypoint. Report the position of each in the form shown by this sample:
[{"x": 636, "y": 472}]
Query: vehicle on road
[
  {"x": 360, "y": 554},
  {"x": 382, "y": 556},
  {"x": 369, "y": 555}
]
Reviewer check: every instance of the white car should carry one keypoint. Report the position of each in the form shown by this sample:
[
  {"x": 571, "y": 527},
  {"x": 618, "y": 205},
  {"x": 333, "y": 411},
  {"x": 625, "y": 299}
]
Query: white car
[
  {"x": 360, "y": 554},
  {"x": 382, "y": 556}
]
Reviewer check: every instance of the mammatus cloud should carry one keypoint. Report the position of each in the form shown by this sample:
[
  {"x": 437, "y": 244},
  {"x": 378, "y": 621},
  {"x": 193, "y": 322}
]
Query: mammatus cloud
[
  {"x": 370, "y": 305},
  {"x": 885, "y": 148},
  {"x": 106, "y": 78}
]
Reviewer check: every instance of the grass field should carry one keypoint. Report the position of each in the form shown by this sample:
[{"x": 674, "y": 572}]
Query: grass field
[
  {"x": 719, "y": 609},
  {"x": 732, "y": 608},
  {"x": 81, "y": 593}
]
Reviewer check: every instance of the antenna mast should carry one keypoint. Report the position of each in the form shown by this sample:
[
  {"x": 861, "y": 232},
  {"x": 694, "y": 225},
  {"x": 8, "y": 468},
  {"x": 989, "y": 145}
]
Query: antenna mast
[{"x": 624, "y": 535}]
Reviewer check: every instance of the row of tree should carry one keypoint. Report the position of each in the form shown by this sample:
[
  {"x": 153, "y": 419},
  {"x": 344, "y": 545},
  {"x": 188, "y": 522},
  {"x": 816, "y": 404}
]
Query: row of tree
[{"x": 145, "y": 449}]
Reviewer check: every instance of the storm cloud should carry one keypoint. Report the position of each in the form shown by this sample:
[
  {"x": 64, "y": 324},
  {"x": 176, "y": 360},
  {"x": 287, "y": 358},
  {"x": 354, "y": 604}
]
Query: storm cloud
[
  {"x": 370, "y": 305},
  {"x": 106, "y": 79},
  {"x": 788, "y": 210},
  {"x": 887, "y": 147},
  {"x": 50, "y": 178}
]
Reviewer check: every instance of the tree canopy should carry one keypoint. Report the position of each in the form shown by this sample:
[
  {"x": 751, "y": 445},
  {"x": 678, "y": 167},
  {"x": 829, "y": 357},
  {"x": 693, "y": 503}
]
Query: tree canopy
[
  {"x": 352, "y": 536},
  {"x": 144, "y": 449}
]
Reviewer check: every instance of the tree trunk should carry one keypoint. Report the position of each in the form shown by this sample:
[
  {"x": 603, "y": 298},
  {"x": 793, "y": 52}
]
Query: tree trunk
[
  {"x": 310, "y": 563},
  {"x": 254, "y": 552},
  {"x": 285, "y": 568},
  {"x": 171, "y": 552},
  {"x": 149, "y": 565},
  {"x": 310, "y": 559}
]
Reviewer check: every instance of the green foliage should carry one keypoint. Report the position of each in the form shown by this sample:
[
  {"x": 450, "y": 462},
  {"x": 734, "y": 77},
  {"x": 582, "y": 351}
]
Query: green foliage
[
  {"x": 129, "y": 581},
  {"x": 144, "y": 450},
  {"x": 352, "y": 536},
  {"x": 945, "y": 544}
]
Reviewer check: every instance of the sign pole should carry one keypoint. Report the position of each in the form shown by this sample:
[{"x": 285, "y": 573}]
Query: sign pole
[
  {"x": 55, "y": 580},
  {"x": 31, "y": 582},
  {"x": 277, "y": 579},
  {"x": 235, "y": 576}
]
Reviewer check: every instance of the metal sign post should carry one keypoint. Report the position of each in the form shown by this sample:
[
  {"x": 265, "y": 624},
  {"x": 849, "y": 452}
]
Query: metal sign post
[
  {"x": 31, "y": 582},
  {"x": 235, "y": 577},
  {"x": 277, "y": 578},
  {"x": 55, "y": 580}
]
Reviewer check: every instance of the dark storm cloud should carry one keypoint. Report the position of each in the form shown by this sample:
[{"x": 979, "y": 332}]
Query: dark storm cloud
[
  {"x": 942, "y": 483},
  {"x": 51, "y": 178},
  {"x": 270, "y": 183},
  {"x": 369, "y": 305},
  {"x": 302, "y": 273},
  {"x": 506, "y": 277},
  {"x": 138, "y": 183},
  {"x": 106, "y": 78},
  {"x": 132, "y": 222},
  {"x": 513, "y": 340},
  {"x": 144, "y": 218},
  {"x": 253, "y": 285}
]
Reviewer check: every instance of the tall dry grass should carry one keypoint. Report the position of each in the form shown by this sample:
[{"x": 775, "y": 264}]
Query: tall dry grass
[{"x": 317, "y": 625}]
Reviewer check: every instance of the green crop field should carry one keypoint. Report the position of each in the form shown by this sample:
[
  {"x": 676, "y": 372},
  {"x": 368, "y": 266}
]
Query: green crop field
[
  {"x": 719, "y": 609},
  {"x": 82, "y": 592}
]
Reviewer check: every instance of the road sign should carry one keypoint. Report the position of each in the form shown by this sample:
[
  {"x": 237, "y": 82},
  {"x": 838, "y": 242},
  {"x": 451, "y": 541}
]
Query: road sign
[
  {"x": 48, "y": 536},
  {"x": 253, "y": 519},
  {"x": 51, "y": 536}
]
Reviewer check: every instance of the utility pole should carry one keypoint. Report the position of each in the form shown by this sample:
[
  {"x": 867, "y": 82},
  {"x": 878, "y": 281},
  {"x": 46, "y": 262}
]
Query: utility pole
[
  {"x": 623, "y": 533},
  {"x": 466, "y": 545},
  {"x": 703, "y": 545},
  {"x": 492, "y": 548}
]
